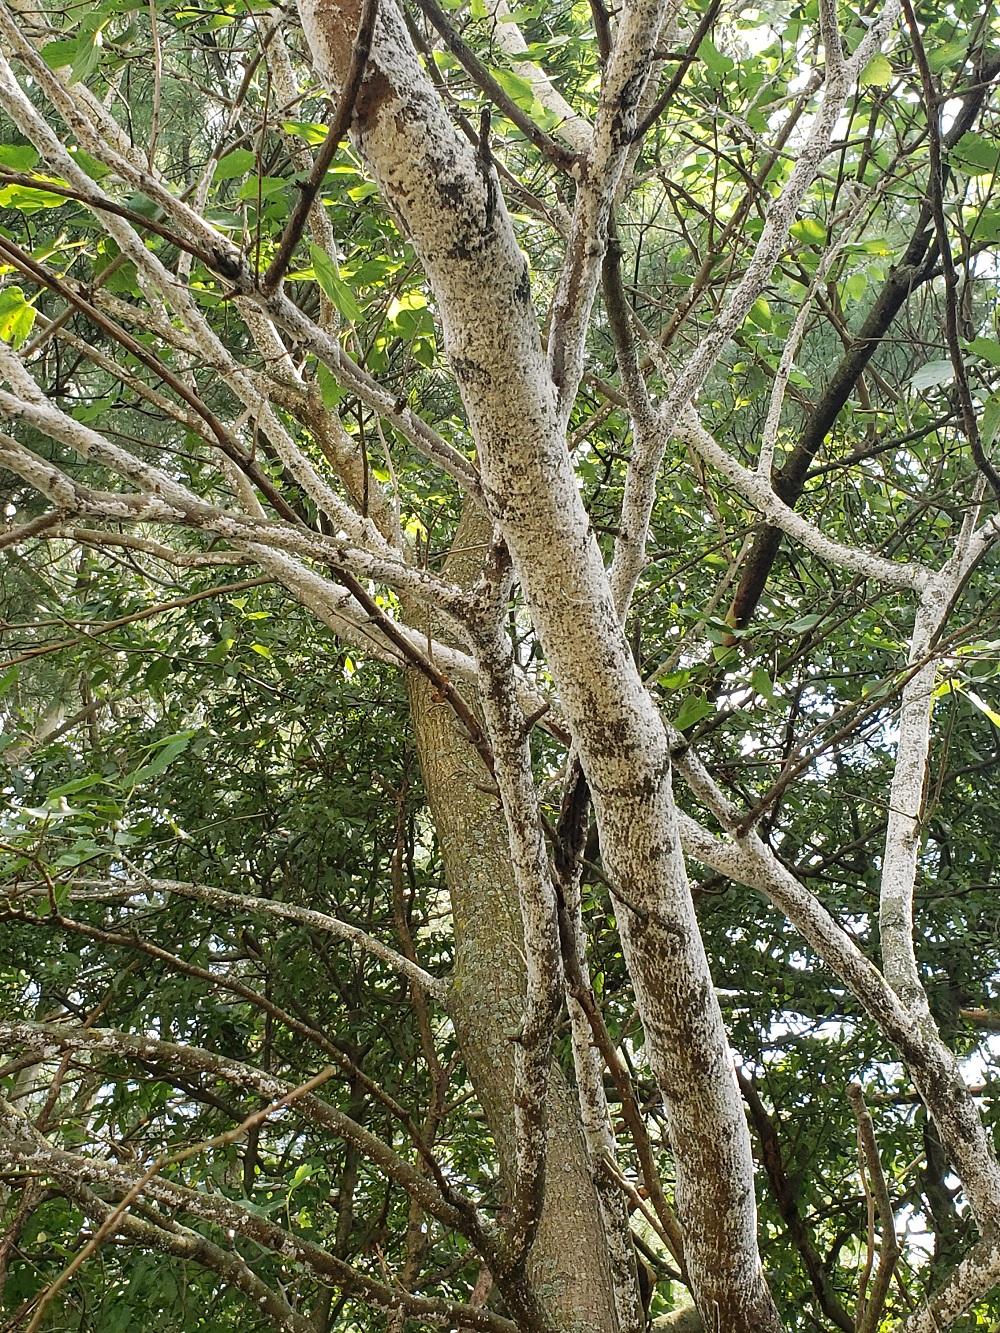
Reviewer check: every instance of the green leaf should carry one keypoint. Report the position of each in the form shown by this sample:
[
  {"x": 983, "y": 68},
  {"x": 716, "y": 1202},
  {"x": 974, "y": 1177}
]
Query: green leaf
[
  {"x": 328, "y": 277},
  {"x": 261, "y": 187},
  {"x": 330, "y": 390},
  {"x": 302, "y": 1173},
  {"x": 983, "y": 707},
  {"x": 167, "y": 751},
  {"x": 802, "y": 624},
  {"x": 519, "y": 90},
  {"x": 932, "y": 374},
  {"x": 17, "y": 317},
  {"x": 989, "y": 427},
  {"x": 714, "y": 59},
  {"x": 692, "y": 710},
  {"x": 59, "y": 54},
  {"x": 947, "y": 56},
  {"x": 985, "y": 226},
  {"x": 94, "y": 169},
  {"x": 89, "y": 50},
  {"x": 234, "y": 164},
  {"x": 311, "y": 131},
  {"x": 78, "y": 784},
  {"x": 877, "y": 73},
  {"x": 28, "y": 199},
  {"x": 763, "y": 684},
  {"x": 976, "y": 154},
  {"x": 760, "y": 315},
  {"x": 18, "y": 157},
  {"x": 809, "y": 231},
  {"x": 988, "y": 348}
]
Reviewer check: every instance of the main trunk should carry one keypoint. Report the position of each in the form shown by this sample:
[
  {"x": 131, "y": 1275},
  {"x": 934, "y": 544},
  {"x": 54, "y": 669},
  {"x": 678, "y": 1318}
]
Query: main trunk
[
  {"x": 447, "y": 197},
  {"x": 568, "y": 1263}
]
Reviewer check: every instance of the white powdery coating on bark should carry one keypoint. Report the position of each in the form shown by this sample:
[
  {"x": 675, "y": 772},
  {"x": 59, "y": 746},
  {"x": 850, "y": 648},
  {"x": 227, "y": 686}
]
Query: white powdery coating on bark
[
  {"x": 757, "y": 489},
  {"x": 572, "y": 126},
  {"x": 448, "y": 200},
  {"x": 933, "y": 1067}
]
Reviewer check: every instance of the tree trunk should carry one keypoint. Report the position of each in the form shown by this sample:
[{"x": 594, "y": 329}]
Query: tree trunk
[{"x": 568, "y": 1262}]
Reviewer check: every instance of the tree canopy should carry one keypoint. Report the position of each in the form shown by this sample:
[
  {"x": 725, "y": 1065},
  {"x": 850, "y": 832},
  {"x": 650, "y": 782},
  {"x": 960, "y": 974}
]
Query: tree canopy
[{"x": 500, "y": 636}]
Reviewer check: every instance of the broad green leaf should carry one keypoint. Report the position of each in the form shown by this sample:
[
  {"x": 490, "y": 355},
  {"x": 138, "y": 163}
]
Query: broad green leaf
[
  {"x": 59, "y": 54},
  {"x": 714, "y": 59},
  {"x": 760, "y": 315},
  {"x": 18, "y": 157},
  {"x": 94, "y": 169},
  {"x": 165, "y": 752},
  {"x": 78, "y": 784},
  {"x": 762, "y": 684},
  {"x": 990, "y": 425},
  {"x": 983, "y": 706},
  {"x": 877, "y": 73},
  {"x": 802, "y": 624},
  {"x": 17, "y": 317},
  {"x": 675, "y": 680},
  {"x": 988, "y": 348},
  {"x": 328, "y": 277},
  {"x": 692, "y": 710},
  {"x": 985, "y": 226},
  {"x": 234, "y": 164},
  {"x": 517, "y": 89},
  {"x": 947, "y": 56},
  {"x": 809, "y": 231},
  {"x": 28, "y": 199},
  {"x": 933, "y": 374},
  {"x": 976, "y": 154},
  {"x": 261, "y": 187},
  {"x": 330, "y": 390},
  {"x": 311, "y": 131}
]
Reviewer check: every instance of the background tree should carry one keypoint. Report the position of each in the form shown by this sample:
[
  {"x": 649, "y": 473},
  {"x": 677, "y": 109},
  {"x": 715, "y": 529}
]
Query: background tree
[{"x": 466, "y": 472}]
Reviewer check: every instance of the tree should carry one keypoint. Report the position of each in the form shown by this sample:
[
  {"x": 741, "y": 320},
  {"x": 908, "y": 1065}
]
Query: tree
[{"x": 611, "y": 394}]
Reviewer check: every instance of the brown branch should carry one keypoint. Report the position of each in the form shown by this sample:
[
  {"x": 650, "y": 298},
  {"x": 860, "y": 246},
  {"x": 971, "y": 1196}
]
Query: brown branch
[
  {"x": 677, "y": 78},
  {"x": 480, "y": 75},
  {"x": 227, "y": 1214},
  {"x": 230, "y": 446},
  {"x": 932, "y": 109},
  {"x": 569, "y": 840},
  {"x": 12, "y": 536},
  {"x": 139, "y": 220},
  {"x": 788, "y": 1206},
  {"x": 339, "y": 126},
  {"x": 107, "y": 626},
  {"x": 423, "y": 663},
  {"x": 987, "y": 1019},
  {"x": 110, "y": 1223},
  {"x": 917, "y": 265},
  {"x": 869, "y": 1312}
]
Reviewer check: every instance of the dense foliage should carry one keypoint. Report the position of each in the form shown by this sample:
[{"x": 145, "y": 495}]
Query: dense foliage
[{"x": 172, "y": 712}]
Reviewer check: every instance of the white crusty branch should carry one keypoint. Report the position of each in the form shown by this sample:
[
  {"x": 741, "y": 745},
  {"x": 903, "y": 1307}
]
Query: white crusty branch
[
  {"x": 27, "y": 1147},
  {"x": 685, "y": 382},
  {"x": 303, "y": 916}
]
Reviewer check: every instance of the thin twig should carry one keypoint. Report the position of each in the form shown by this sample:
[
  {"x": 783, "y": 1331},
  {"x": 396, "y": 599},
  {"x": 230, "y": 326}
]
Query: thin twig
[
  {"x": 935, "y": 192},
  {"x": 869, "y": 1309},
  {"x": 339, "y": 126},
  {"x": 110, "y": 1223}
]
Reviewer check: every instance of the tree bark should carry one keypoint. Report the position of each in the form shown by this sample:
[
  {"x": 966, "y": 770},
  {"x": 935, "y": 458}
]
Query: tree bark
[
  {"x": 568, "y": 1263},
  {"x": 448, "y": 200}
]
